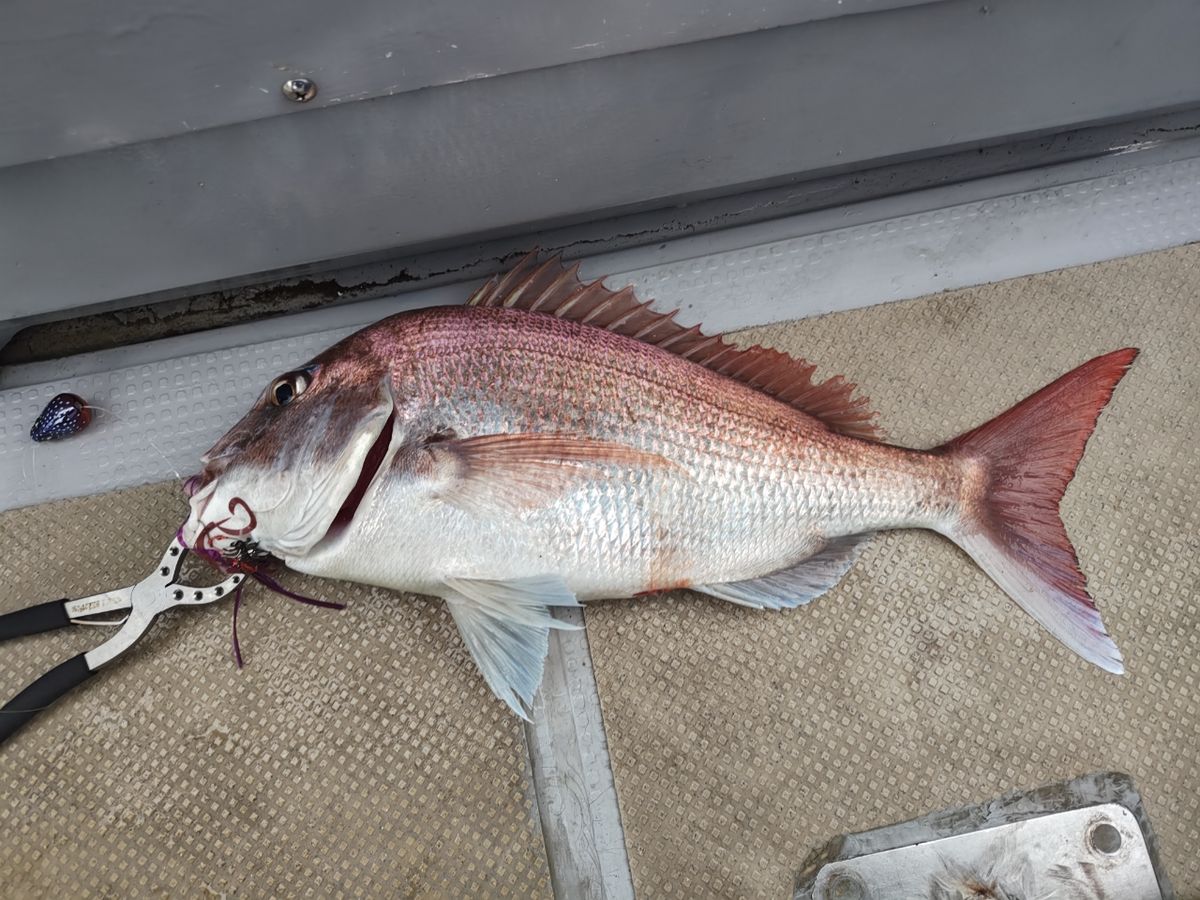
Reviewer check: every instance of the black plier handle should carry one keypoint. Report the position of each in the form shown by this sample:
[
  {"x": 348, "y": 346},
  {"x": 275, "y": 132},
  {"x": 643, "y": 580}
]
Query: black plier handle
[
  {"x": 66, "y": 675},
  {"x": 154, "y": 594},
  {"x": 35, "y": 619},
  {"x": 43, "y": 692}
]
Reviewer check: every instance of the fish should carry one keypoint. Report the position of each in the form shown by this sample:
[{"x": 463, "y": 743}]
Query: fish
[{"x": 553, "y": 442}]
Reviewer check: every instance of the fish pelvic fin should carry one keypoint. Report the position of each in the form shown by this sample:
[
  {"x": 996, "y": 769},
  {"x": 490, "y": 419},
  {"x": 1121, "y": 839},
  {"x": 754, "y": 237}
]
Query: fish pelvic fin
[
  {"x": 553, "y": 289},
  {"x": 506, "y": 627},
  {"x": 1017, "y": 467},
  {"x": 796, "y": 585}
]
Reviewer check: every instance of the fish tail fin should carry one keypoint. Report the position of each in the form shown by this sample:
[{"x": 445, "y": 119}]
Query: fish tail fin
[{"x": 1018, "y": 466}]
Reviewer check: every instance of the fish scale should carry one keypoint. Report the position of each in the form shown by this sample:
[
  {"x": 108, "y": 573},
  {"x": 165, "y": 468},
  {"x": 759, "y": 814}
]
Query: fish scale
[{"x": 555, "y": 442}]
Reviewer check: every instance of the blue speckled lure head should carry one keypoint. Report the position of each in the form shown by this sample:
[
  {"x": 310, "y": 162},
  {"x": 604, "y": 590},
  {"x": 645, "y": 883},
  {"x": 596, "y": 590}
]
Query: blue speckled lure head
[{"x": 65, "y": 415}]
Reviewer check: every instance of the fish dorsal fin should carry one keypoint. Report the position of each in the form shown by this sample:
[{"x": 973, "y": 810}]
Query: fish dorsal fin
[{"x": 549, "y": 287}]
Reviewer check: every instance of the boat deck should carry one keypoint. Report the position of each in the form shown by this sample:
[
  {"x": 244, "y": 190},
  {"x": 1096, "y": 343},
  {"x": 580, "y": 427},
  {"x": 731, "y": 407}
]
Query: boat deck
[{"x": 684, "y": 747}]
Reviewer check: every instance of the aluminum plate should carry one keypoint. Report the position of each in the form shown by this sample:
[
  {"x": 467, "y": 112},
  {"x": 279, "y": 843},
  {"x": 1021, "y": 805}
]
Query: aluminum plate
[{"x": 1093, "y": 852}]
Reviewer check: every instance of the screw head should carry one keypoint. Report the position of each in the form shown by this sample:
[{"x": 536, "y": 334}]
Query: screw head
[{"x": 299, "y": 90}]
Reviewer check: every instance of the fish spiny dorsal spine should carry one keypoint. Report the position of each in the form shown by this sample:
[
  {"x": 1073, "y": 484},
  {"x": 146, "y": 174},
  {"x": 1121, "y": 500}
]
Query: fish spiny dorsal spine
[{"x": 554, "y": 289}]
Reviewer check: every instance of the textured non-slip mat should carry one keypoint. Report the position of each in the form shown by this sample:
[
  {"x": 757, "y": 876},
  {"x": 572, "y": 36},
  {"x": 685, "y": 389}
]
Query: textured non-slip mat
[
  {"x": 356, "y": 754},
  {"x": 740, "y": 740}
]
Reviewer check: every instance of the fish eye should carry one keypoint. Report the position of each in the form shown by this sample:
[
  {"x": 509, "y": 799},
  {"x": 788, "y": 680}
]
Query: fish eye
[{"x": 288, "y": 387}]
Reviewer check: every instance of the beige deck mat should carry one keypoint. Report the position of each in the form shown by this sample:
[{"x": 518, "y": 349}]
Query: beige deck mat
[
  {"x": 354, "y": 755},
  {"x": 740, "y": 740}
]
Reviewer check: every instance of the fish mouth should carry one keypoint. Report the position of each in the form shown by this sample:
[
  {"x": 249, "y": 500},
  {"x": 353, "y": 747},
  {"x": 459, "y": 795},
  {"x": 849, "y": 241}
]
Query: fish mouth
[
  {"x": 192, "y": 485},
  {"x": 370, "y": 468}
]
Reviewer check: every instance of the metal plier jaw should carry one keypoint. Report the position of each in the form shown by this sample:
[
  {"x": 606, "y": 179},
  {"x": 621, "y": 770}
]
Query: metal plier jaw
[{"x": 154, "y": 594}]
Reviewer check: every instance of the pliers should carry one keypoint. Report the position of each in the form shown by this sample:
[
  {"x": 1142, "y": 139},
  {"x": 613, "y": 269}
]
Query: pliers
[{"x": 154, "y": 594}]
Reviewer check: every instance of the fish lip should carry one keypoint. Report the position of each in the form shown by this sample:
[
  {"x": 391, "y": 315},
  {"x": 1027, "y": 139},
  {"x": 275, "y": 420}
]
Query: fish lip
[
  {"x": 198, "y": 501},
  {"x": 193, "y": 484},
  {"x": 371, "y": 465}
]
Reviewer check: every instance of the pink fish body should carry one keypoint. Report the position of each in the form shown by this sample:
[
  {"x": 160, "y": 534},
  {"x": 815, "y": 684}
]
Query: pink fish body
[{"x": 553, "y": 443}]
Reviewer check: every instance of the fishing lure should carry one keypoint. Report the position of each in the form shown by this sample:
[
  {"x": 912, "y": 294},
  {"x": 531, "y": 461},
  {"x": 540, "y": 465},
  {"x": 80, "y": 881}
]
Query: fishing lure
[{"x": 64, "y": 415}]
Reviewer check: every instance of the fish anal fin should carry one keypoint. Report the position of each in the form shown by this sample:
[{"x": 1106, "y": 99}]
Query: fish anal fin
[
  {"x": 513, "y": 472},
  {"x": 551, "y": 288},
  {"x": 795, "y": 585},
  {"x": 505, "y": 625}
]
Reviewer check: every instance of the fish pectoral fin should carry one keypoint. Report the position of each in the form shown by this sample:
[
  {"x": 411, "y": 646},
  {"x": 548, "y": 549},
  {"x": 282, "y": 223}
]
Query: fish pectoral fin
[
  {"x": 504, "y": 473},
  {"x": 795, "y": 585},
  {"x": 506, "y": 626}
]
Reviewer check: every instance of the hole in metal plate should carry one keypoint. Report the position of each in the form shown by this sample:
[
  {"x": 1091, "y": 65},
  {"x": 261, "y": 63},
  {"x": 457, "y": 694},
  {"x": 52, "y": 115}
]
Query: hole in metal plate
[
  {"x": 1105, "y": 838},
  {"x": 845, "y": 886}
]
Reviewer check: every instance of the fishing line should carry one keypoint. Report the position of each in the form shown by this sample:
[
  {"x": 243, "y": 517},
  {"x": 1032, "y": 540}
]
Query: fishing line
[
  {"x": 118, "y": 418},
  {"x": 149, "y": 440}
]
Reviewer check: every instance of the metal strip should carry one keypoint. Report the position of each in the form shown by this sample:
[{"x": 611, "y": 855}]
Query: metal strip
[{"x": 572, "y": 775}]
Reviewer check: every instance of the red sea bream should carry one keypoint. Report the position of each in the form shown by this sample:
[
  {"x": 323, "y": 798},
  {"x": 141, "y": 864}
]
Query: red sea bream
[{"x": 552, "y": 443}]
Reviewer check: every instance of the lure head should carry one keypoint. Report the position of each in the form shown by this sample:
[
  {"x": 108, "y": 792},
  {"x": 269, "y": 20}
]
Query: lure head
[{"x": 299, "y": 462}]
